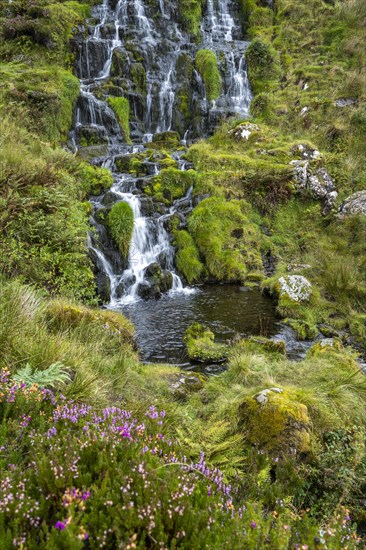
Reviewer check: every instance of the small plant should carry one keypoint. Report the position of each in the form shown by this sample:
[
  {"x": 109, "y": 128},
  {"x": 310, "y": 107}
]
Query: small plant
[{"x": 51, "y": 377}]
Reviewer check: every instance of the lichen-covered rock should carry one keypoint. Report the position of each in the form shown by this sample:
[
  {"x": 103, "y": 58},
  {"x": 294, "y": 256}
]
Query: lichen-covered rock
[
  {"x": 273, "y": 420},
  {"x": 295, "y": 288},
  {"x": 317, "y": 183},
  {"x": 354, "y": 204},
  {"x": 244, "y": 131}
]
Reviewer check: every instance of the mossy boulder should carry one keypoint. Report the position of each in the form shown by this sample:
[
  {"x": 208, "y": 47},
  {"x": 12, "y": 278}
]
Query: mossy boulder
[
  {"x": 61, "y": 315},
  {"x": 157, "y": 281},
  {"x": 187, "y": 258},
  {"x": 275, "y": 421},
  {"x": 120, "y": 224},
  {"x": 226, "y": 239},
  {"x": 201, "y": 345},
  {"x": 172, "y": 184},
  {"x": 165, "y": 140},
  {"x": 183, "y": 384}
]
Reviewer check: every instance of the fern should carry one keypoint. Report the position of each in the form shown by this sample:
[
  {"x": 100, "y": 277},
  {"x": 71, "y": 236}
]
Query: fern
[
  {"x": 55, "y": 374},
  {"x": 223, "y": 450}
]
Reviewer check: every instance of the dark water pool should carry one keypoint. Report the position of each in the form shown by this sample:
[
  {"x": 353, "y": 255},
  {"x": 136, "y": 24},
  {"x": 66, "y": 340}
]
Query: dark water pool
[{"x": 226, "y": 309}]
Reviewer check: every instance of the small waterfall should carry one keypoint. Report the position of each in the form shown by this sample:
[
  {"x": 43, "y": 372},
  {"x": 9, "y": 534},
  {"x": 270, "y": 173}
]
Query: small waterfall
[
  {"x": 166, "y": 102},
  {"x": 147, "y": 51}
]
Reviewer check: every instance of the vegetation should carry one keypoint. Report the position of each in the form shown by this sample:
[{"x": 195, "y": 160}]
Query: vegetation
[
  {"x": 120, "y": 223},
  {"x": 63, "y": 442},
  {"x": 207, "y": 66},
  {"x": 100, "y": 450},
  {"x": 121, "y": 107},
  {"x": 225, "y": 238},
  {"x": 190, "y": 14}
]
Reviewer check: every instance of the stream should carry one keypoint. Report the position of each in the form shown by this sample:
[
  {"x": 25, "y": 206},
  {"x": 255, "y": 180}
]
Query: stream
[{"x": 126, "y": 38}]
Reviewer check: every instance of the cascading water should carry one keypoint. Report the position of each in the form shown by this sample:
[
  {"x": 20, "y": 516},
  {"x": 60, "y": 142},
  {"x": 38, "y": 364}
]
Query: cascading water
[{"x": 140, "y": 53}]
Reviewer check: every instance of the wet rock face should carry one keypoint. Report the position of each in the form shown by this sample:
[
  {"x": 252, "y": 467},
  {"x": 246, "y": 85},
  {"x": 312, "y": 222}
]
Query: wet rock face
[
  {"x": 354, "y": 204},
  {"x": 143, "y": 50},
  {"x": 157, "y": 281}
]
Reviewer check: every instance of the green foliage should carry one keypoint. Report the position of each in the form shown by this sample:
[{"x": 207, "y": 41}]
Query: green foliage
[
  {"x": 172, "y": 184},
  {"x": 207, "y": 66},
  {"x": 53, "y": 376},
  {"x": 120, "y": 223},
  {"x": 227, "y": 240},
  {"x": 187, "y": 258},
  {"x": 95, "y": 345},
  {"x": 121, "y": 107},
  {"x": 43, "y": 220},
  {"x": 190, "y": 14},
  {"x": 263, "y": 65}
]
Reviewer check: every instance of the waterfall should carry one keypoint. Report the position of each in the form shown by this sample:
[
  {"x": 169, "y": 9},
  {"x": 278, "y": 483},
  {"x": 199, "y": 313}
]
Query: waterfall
[{"x": 150, "y": 50}]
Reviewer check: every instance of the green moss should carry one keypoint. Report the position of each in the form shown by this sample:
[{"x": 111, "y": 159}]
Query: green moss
[
  {"x": 187, "y": 258},
  {"x": 275, "y": 421},
  {"x": 303, "y": 329},
  {"x": 172, "y": 184},
  {"x": 207, "y": 66},
  {"x": 121, "y": 107},
  {"x": 263, "y": 65},
  {"x": 227, "y": 240},
  {"x": 138, "y": 76},
  {"x": 120, "y": 223},
  {"x": 202, "y": 347},
  {"x": 190, "y": 15},
  {"x": 165, "y": 140},
  {"x": 261, "y": 344}
]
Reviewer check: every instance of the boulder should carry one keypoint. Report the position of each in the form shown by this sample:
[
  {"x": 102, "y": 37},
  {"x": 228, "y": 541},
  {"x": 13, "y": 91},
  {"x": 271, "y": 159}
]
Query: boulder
[
  {"x": 295, "y": 288},
  {"x": 316, "y": 182},
  {"x": 354, "y": 204},
  {"x": 275, "y": 421},
  {"x": 244, "y": 131}
]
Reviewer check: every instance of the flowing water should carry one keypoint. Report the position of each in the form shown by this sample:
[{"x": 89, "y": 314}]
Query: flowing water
[{"x": 138, "y": 51}]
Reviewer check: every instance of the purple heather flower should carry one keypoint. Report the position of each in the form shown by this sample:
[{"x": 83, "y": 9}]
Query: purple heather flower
[
  {"x": 60, "y": 525},
  {"x": 253, "y": 525}
]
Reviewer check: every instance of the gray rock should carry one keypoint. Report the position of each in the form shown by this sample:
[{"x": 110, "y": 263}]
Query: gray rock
[
  {"x": 317, "y": 183},
  {"x": 295, "y": 287},
  {"x": 354, "y": 204},
  {"x": 344, "y": 102}
]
